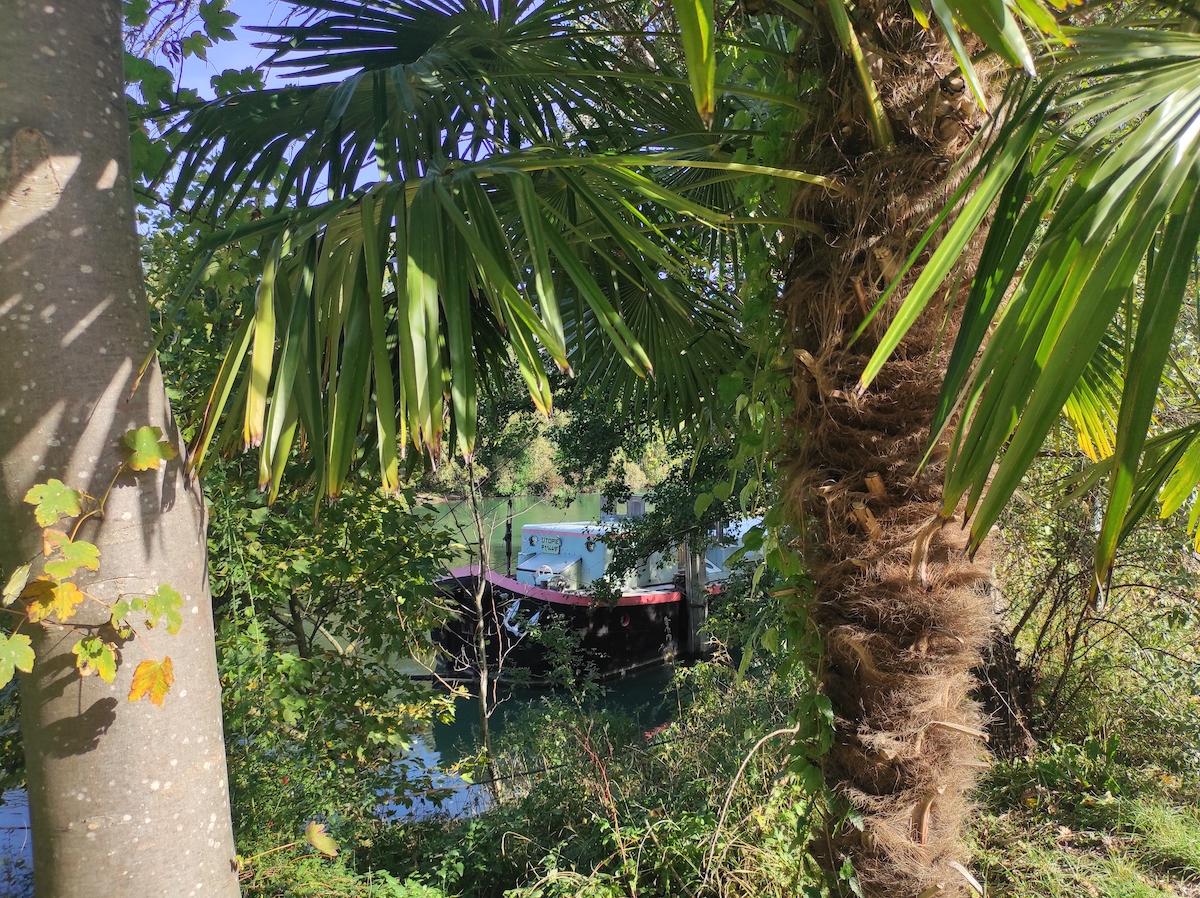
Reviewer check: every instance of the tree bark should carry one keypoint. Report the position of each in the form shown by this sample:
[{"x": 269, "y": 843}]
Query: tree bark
[
  {"x": 128, "y": 799},
  {"x": 903, "y": 615}
]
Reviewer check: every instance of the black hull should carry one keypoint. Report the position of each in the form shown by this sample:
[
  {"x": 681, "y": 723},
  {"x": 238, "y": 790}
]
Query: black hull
[{"x": 546, "y": 640}]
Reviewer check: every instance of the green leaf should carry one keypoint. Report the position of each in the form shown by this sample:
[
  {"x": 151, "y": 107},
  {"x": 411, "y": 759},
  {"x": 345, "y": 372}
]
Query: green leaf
[
  {"x": 1001, "y": 162},
  {"x": 262, "y": 356},
  {"x": 375, "y": 241},
  {"x": 120, "y": 611},
  {"x": 152, "y": 680},
  {"x": 196, "y": 44},
  {"x": 94, "y": 655},
  {"x": 147, "y": 448},
  {"x": 71, "y": 555},
  {"x": 232, "y": 81},
  {"x": 702, "y": 502},
  {"x": 729, "y": 387},
  {"x": 698, "y": 34},
  {"x": 881, "y": 128},
  {"x": 165, "y": 603},
  {"x": 217, "y": 19},
  {"x": 137, "y": 12},
  {"x": 316, "y": 835},
  {"x": 15, "y": 653},
  {"x": 155, "y": 82},
  {"x": 16, "y": 583},
  {"x": 919, "y": 13},
  {"x": 992, "y": 21},
  {"x": 1169, "y": 274},
  {"x": 52, "y": 500},
  {"x": 770, "y": 640}
]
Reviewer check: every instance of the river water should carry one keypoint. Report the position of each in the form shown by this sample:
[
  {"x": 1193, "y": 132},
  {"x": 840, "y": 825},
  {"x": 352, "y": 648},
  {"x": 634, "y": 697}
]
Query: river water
[
  {"x": 644, "y": 696},
  {"x": 641, "y": 695}
]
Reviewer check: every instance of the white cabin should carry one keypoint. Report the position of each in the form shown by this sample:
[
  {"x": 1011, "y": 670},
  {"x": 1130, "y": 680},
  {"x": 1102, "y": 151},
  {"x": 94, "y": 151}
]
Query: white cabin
[{"x": 568, "y": 557}]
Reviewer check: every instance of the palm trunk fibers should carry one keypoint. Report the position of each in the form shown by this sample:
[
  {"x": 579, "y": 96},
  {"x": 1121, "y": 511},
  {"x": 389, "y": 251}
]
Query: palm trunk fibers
[{"x": 903, "y": 614}]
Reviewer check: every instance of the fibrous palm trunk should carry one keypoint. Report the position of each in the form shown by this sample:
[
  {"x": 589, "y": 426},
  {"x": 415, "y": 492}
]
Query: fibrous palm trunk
[
  {"x": 902, "y": 613},
  {"x": 126, "y": 799}
]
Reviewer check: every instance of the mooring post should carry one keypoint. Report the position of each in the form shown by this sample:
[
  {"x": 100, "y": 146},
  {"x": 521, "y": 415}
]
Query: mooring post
[
  {"x": 696, "y": 591},
  {"x": 508, "y": 540}
]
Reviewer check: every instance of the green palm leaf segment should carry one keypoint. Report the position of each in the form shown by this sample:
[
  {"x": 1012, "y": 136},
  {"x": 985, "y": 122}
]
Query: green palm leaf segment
[
  {"x": 1094, "y": 186},
  {"x": 489, "y": 184},
  {"x": 697, "y": 32}
]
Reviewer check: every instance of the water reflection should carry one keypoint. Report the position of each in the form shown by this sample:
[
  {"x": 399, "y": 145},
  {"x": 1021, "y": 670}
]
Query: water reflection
[{"x": 643, "y": 696}]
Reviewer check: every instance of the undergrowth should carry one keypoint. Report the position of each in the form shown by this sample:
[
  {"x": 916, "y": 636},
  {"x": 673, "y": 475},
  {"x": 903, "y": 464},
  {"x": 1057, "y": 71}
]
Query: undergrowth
[
  {"x": 1088, "y": 819},
  {"x": 607, "y": 810},
  {"x": 621, "y": 812}
]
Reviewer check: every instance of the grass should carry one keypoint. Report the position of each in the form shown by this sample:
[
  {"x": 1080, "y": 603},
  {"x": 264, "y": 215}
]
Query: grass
[
  {"x": 1169, "y": 838},
  {"x": 1078, "y": 821}
]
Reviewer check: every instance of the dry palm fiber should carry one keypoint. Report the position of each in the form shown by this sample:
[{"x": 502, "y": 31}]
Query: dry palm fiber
[{"x": 903, "y": 613}]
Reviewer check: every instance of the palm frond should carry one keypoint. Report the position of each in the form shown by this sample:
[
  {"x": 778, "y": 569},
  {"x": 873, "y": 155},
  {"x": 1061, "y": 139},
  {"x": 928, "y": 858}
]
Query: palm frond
[
  {"x": 540, "y": 201},
  {"x": 1095, "y": 179}
]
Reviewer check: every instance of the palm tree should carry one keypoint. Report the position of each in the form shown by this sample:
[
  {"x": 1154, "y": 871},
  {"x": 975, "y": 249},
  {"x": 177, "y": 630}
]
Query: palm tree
[
  {"x": 902, "y": 618},
  {"x": 1090, "y": 180},
  {"x": 503, "y": 138},
  {"x": 512, "y": 217}
]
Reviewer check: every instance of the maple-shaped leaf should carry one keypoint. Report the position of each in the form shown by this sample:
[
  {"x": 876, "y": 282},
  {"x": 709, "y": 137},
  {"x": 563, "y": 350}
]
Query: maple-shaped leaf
[
  {"x": 316, "y": 835},
  {"x": 46, "y": 596},
  {"x": 147, "y": 448},
  {"x": 15, "y": 653},
  {"x": 94, "y": 655},
  {"x": 153, "y": 679},
  {"x": 165, "y": 602},
  {"x": 68, "y": 555},
  {"x": 52, "y": 500},
  {"x": 120, "y": 611},
  {"x": 15, "y": 584}
]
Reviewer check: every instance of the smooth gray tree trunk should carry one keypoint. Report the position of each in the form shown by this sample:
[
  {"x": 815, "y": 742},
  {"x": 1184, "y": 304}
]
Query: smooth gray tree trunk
[{"x": 127, "y": 799}]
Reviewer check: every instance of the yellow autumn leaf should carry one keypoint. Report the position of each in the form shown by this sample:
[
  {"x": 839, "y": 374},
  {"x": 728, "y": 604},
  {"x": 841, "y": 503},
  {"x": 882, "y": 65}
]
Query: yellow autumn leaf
[
  {"x": 45, "y": 596},
  {"x": 153, "y": 679}
]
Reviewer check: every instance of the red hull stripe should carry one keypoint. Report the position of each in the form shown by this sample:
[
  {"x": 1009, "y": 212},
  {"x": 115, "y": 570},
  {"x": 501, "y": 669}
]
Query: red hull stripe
[{"x": 562, "y": 598}]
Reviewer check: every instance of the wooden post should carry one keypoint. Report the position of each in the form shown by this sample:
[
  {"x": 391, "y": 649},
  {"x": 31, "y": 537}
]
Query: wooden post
[
  {"x": 508, "y": 540},
  {"x": 696, "y": 596}
]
